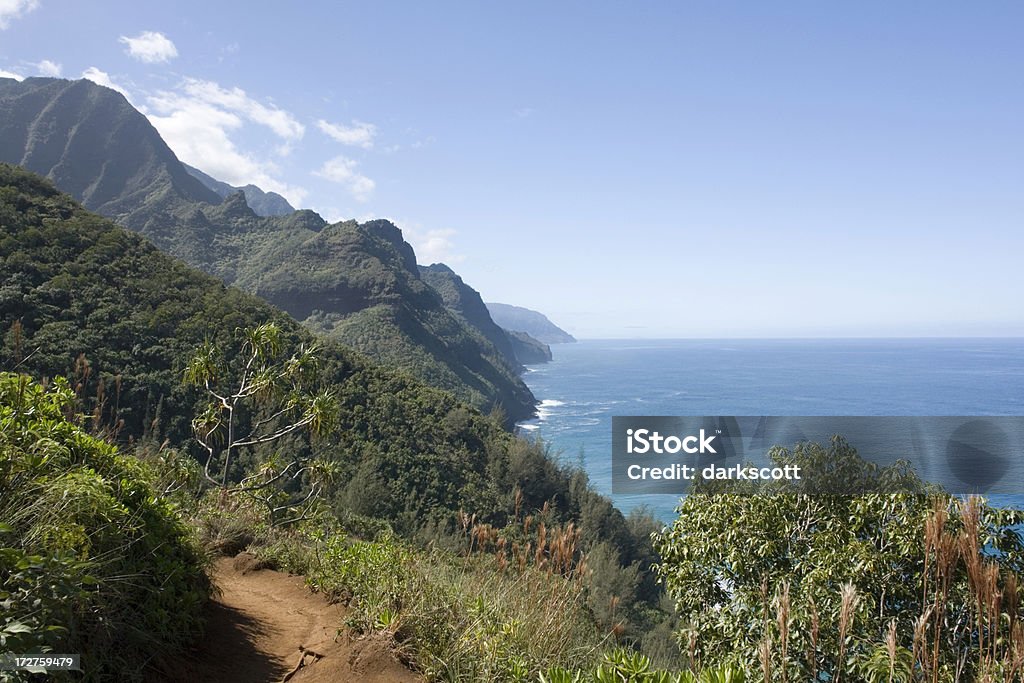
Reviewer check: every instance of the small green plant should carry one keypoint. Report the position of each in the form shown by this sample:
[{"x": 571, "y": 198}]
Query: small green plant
[
  {"x": 386, "y": 620},
  {"x": 626, "y": 666},
  {"x": 557, "y": 674}
]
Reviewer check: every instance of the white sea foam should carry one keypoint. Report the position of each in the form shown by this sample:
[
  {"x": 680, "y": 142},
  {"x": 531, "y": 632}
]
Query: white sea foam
[{"x": 545, "y": 409}]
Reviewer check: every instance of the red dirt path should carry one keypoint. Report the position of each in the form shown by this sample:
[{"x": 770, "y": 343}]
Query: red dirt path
[{"x": 261, "y": 619}]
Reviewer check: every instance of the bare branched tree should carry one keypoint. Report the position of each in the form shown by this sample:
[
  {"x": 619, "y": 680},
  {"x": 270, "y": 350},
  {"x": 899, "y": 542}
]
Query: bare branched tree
[{"x": 260, "y": 398}]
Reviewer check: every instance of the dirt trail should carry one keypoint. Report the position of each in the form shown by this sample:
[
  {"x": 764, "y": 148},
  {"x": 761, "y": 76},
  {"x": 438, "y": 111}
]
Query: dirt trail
[{"x": 261, "y": 619}]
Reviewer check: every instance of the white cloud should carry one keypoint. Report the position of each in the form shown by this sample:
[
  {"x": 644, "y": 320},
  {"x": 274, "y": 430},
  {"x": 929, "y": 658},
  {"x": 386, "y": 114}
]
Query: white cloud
[
  {"x": 236, "y": 100},
  {"x": 48, "y": 68},
  {"x": 524, "y": 112},
  {"x": 359, "y": 134},
  {"x": 10, "y": 74},
  {"x": 198, "y": 121},
  {"x": 345, "y": 172},
  {"x": 151, "y": 47},
  {"x": 103, "y": 78},
  {"x": 12, "y": 9},
  {"x": 432, "y": 245}
]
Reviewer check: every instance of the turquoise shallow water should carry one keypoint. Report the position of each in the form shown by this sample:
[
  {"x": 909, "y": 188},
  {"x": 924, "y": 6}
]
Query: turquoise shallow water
[{"x": 589, "y": 382}]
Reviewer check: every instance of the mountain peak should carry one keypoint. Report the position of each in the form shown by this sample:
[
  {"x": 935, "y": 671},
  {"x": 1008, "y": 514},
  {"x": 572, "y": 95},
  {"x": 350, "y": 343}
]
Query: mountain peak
[
  {"x": 384, "y": 229},
  {"x": 91, "y": 142},
  {"x": 440, "y": 268}
]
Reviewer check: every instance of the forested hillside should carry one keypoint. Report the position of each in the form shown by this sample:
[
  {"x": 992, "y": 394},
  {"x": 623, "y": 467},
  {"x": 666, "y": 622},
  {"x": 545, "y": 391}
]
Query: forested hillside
[
  {"x": 356, "y": 283},
  {"x": 86, "y": 299}
]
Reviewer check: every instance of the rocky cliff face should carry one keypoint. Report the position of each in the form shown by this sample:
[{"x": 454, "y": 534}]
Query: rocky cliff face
[
  {"x": 528, "y": 350},
  {"x": 467, "y": 303}
]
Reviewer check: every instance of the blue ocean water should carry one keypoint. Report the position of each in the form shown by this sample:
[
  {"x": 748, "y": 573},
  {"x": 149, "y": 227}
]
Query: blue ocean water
[{"x": 590, "y": 381}]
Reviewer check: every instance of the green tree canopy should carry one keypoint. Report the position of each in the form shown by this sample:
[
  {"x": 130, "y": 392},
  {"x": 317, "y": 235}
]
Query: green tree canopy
[{"x": 809, "y": 585}]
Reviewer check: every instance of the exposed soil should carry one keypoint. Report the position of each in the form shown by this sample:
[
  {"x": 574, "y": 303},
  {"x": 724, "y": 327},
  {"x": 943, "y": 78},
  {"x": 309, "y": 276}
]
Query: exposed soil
[{"x": 264, "y": 623}]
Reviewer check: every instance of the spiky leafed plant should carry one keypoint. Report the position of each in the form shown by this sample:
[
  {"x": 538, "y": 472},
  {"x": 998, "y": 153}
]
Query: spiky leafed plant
[{"x": 260, "y": 396}]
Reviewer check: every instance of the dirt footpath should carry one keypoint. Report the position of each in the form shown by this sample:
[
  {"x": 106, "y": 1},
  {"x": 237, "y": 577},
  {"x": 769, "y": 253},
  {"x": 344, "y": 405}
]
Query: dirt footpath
[{"x": 264, "y": 623}]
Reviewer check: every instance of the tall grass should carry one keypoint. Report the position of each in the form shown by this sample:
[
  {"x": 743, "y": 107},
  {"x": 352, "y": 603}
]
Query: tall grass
[
  {"x": 967, "y": 626},
  {"x": 458, "y": 618}
]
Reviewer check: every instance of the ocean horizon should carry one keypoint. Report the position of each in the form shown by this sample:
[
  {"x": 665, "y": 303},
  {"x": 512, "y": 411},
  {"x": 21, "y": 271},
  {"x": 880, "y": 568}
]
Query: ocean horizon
[{"x": 589, "y": 382}]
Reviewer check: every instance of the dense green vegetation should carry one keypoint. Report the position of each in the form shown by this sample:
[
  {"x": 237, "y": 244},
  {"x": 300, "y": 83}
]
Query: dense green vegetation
[
  {"x": 92, "y": 559},
  {"x": 86, "y": 299},
  {"x": 358, "y": 284},
  {"x": 799, "y": 585}
]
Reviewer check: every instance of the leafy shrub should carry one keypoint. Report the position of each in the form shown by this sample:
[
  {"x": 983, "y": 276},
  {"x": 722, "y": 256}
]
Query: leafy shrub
[
  {"x": 624, "y": 666},
  {"x": 804, "y": 585},
  {"x": 91, "y": 560}
]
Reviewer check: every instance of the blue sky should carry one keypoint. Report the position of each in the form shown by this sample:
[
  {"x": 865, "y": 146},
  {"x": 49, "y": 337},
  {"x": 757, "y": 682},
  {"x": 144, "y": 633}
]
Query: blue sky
[{"x": 630, "y": 169}]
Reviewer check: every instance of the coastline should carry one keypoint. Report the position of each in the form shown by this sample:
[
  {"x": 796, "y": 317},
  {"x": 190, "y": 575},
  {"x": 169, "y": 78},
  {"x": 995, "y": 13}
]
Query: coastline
[{"x": 588, "y": 382}]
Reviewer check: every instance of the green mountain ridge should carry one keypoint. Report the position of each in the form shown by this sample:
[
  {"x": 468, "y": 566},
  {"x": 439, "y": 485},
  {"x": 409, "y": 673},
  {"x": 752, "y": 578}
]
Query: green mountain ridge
[
  {"x": 467, "y": 303},
  {"x": 359, "y": 284},
  {"x": 355, "y": 283},
  {"x": 83, "y": 298},
  {"x": 518, "y": 348},
  {"x": 77, "y": 287}
]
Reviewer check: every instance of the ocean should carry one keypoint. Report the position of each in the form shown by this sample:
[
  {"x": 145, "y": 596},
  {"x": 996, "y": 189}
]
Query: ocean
[{"x": 590, "y": 381}]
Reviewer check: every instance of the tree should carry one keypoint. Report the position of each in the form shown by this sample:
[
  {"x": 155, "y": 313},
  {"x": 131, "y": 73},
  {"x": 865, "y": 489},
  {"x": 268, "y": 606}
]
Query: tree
[
  {"x": 256, "y": 398},
  {"x": 879, "y": 585}
]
